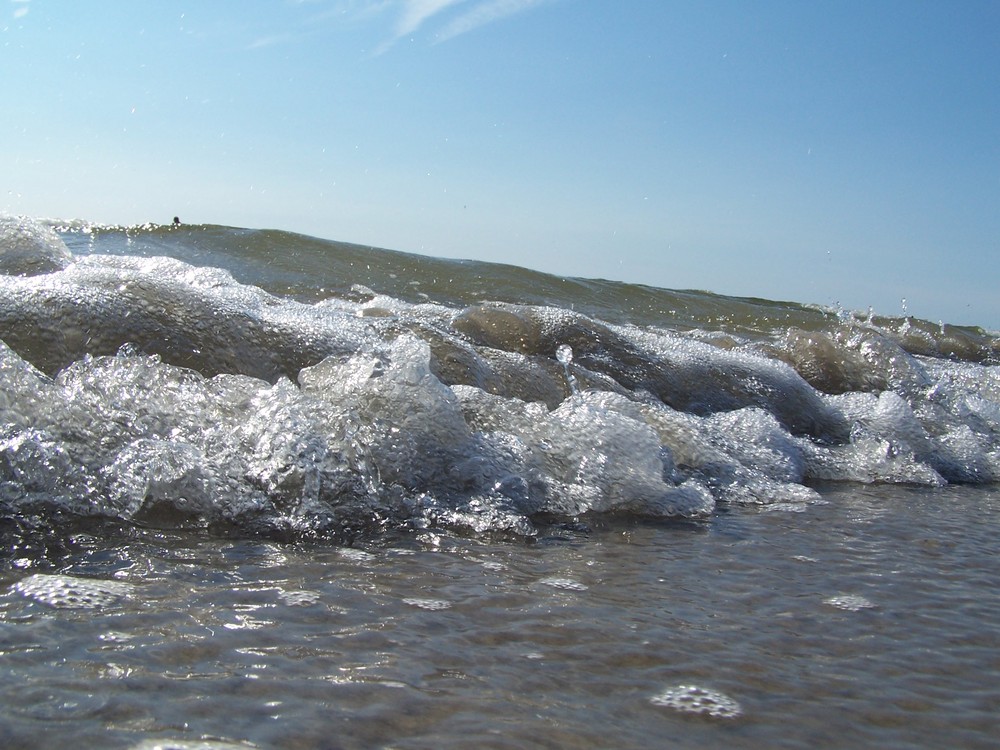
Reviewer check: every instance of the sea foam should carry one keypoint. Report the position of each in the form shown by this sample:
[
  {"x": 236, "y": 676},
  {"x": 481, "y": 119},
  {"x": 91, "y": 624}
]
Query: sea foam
[{"x": 142, "y": 387}]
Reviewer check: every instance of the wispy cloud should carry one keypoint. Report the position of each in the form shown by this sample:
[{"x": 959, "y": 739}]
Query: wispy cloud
[
  {"x": 486, "y": 13},
  {"x": 20, "y": 8},
  {"x": 440, "y": 20},
  {"x": 415, "y": 14},
  {"x": 350, "y": 10},
  {"x": 270, "y": 41}
]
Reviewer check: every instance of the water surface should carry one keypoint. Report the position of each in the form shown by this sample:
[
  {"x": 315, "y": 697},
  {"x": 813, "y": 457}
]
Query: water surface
[{"x": 263, "y": 490}]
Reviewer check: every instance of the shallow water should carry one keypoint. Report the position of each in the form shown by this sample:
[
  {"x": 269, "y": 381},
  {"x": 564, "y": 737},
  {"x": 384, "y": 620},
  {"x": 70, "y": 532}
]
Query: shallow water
[{"x": 867, "y": 619}]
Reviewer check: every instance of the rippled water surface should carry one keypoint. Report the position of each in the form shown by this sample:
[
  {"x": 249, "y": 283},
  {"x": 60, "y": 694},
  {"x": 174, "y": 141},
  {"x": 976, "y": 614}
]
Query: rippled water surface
[{"x": 867, "y": 619}]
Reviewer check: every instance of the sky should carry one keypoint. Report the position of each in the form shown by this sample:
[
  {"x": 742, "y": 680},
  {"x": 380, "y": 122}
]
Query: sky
[{"x": 842, "y": 153}]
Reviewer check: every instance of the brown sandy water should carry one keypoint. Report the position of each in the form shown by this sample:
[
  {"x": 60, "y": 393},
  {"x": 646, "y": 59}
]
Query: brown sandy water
[{"x": 869, "y": 619}]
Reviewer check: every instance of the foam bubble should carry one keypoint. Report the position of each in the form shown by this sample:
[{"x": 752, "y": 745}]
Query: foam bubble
[
  {"x": 432, "y": 604},
  {"x": 69, "y": 592},
  {"x": 787, "y": 507},
  {"x": 566, "y": 584},
  {"x": 692, "y": 699},
  {"x": 191, "y": 745},
  {"x": 301, "y": 598},
  {"x": 850, "y": 602}
]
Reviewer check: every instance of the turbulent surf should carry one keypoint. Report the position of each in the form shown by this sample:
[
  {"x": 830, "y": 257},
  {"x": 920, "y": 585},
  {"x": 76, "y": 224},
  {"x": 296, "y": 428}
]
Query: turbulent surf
[{"x": 252, "y": 382}]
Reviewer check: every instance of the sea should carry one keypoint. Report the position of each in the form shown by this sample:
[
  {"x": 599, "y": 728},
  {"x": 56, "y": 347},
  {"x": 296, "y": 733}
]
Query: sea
[{"x": 264, "y": 490}]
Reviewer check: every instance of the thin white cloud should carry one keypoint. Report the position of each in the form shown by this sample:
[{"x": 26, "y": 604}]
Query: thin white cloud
[
  {"x": 416, "y": 12},
  {"x": 314, "y": 16},
  {"x": 270, "y": 41},
  {"x": 350, "y": 10},
  {"x": 447, "y": 19},
  {"x": 486, "y": 13}
]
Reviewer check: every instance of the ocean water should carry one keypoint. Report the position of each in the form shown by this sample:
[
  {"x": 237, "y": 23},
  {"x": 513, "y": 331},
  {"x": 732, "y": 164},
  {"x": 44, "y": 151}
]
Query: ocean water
[{"x": 264, "y": 490}]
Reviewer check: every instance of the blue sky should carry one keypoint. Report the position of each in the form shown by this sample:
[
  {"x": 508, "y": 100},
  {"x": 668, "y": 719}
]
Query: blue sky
[{"x": 822, "y": 152}]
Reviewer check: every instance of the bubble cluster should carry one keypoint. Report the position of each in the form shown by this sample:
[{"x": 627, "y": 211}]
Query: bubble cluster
[
  {"x": 191, "y": 745},
  {"x": 566, "y": 584},
  {"x": 300, "y": 598},
  {"x": 432, "y": 604},
  {"x": 68, "y": 592},
  {"x": 850, "y": 602},
  {"x": 692, "y": 699}
]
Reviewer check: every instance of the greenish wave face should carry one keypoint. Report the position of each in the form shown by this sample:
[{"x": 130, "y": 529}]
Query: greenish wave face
[{"x": 311, "y": 269}]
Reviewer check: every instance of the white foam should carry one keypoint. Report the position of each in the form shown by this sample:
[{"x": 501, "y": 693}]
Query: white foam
[
  {"x": 69, "y": 592},
  {"x": 850, "y": 602},
  {"x": 191, "y": 745},
  {"x": 566, "y": 584},
  {"x": 300, "y": 598},
  {"x": 431, "y": 604},
  {"x": 692, "y": 699}
]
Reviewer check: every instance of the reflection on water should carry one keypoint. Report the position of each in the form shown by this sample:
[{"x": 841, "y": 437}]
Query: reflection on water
[{"x": 863, "y": 621}]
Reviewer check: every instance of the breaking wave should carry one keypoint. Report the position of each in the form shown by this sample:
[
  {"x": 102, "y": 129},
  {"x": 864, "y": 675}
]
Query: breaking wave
[{"x": 265, "y": 382}]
